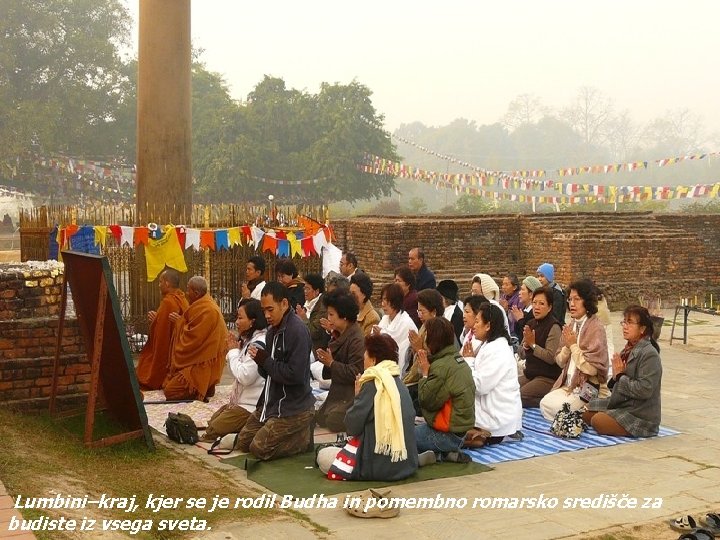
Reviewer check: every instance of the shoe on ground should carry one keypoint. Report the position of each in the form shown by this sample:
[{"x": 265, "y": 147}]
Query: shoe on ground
[
  {"x": 426, "y": 458},
  {"x": 456, "y": 457}
]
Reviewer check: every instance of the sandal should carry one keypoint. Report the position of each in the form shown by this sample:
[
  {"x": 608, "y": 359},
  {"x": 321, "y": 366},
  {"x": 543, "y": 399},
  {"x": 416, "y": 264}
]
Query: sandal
[
  {"x": 371, "y": 503},
  {"x": 698, "y": 534},
  {"x": 712, "y": 522},
  {"x": 683, "y": 524},
  {"x": 476, "y": 438}
]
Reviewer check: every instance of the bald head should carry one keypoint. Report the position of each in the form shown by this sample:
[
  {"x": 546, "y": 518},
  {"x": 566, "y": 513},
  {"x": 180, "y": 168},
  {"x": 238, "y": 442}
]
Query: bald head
[
  {"x": 172, "y": 277},
  {"x": 196, "y": 288}
]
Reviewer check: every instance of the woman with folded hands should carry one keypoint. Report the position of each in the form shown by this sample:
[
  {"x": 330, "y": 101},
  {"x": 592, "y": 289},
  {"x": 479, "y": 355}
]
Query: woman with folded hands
[
  {"x": 248, "y": 384},
  {"x": 583, "y": 356},
  {"x": 540, "y": 344},
  {"x": 380, "y": 422},
  {"x": 633, "y": 408}
]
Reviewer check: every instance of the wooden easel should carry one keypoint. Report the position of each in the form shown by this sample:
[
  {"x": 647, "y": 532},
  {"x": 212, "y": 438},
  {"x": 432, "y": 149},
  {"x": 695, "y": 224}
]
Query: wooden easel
[{"x": 90, "y": 275}]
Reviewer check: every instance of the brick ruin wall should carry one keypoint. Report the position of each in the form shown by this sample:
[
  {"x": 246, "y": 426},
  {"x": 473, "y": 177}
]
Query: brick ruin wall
[
  {"x": 627, "y": 254},
  {"x": 29, "y": 308}
]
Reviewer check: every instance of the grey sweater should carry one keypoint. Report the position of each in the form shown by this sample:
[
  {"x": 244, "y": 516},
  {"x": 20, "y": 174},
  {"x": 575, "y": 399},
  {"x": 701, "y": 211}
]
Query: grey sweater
[{"x": 635, "y": 399}]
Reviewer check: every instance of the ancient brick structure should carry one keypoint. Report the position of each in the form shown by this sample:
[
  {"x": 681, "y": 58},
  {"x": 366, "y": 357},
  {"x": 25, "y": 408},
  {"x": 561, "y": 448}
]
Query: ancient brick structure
[
  {"x": 29, "y": 308},
  {"x": 627, "y": 254}
]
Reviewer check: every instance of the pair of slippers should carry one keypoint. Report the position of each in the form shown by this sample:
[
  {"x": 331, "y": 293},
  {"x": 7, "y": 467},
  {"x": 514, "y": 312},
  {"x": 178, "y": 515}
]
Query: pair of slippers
[{"x": 693, "y": 531}]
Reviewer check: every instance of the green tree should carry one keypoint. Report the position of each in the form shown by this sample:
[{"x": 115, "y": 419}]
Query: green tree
[
  {"x": 312, "y": 143},
  {"x": 61, "y": 74}
]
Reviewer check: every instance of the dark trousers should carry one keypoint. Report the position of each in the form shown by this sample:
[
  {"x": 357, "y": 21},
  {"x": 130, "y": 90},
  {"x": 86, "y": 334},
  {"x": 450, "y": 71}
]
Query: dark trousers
[
  {"x": 533, "y": 390},
  {"x": 332, "y": 415},
  {"x": 276, "y": 437}
]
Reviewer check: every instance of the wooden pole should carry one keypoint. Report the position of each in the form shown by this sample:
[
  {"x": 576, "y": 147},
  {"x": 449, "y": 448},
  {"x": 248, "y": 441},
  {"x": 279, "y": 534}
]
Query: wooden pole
[{"x": 164, "y": 124}]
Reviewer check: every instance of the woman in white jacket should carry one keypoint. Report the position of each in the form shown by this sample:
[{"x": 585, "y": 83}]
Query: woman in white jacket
[
  {"x": 396, "y": 322},
  {"x": 498, "y": 408},
  {"x": 248, "y": 384}
]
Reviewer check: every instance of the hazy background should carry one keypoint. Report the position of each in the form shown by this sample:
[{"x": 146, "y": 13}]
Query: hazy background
[{"x": 434, "y": 62}]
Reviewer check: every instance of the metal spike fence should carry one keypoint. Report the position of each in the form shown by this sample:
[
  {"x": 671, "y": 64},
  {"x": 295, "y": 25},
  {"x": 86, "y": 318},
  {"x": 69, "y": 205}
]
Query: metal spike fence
[{"x": 223, "y": 269}]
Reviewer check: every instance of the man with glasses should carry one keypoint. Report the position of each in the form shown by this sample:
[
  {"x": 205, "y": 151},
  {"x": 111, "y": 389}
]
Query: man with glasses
[{"x": 349, "y": 265}]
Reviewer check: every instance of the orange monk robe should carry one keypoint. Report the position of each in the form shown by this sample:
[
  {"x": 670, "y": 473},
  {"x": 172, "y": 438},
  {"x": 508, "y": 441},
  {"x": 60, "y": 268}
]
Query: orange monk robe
[
  {"x": 155, "y": 356},
  {"x": 197, "y": 358}
]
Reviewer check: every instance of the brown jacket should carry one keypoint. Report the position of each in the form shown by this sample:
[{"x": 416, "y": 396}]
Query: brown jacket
[
  {"x": 367, "y": 318},
  {"x": 347, "y": 351}
]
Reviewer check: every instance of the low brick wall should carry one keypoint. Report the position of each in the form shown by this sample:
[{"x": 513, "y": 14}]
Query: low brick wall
[
  {"x": 627, "y": 254},
  {"x": 29, "y": 308}
]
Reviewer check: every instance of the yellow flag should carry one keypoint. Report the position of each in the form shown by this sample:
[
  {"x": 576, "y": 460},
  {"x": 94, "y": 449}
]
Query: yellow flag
[
  {"x": 234, "y": 236},
  {"x": 100, "y": 235},
  {"x": 295, "y": 246}
]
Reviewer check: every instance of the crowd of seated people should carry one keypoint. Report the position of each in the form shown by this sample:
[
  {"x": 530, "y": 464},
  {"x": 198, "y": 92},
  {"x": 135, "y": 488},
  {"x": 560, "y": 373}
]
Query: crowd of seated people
[{"x": 419, "y": 380}]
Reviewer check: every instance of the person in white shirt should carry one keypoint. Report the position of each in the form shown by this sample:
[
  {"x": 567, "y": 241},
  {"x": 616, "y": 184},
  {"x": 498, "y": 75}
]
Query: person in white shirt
[
  {"x": 248, "y": 384},
  {"x": 469, "y": 344},
  {"x": 396, "y": 322},
  {"x": 498, "y": 408}
]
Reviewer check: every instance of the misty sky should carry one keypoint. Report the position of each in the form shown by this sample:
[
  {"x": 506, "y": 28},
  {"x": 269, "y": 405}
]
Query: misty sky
[{"x": 436, "y": 61}]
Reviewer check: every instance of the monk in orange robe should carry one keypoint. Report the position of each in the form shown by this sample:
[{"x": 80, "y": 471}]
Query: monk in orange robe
[
  {"x": 155, "y": 356},
  {"x": 197, "y": 357}
]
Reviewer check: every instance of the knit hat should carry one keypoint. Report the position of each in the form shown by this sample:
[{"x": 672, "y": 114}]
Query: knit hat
[
  {"x": 547, "y": 270},
  {"x": 449, "y": 289},
  {"x": 532, "y": 283},
  {"x": 488, "y": 286}
]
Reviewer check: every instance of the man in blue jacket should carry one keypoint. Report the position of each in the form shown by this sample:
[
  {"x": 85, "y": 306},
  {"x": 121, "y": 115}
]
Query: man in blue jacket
[
  {"x": 281, "y": 424},
  {"x": 424, "y": 278}
]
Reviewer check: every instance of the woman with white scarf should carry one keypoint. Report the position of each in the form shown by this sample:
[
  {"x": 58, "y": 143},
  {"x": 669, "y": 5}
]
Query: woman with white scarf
[{"x": 381, "y": 422}]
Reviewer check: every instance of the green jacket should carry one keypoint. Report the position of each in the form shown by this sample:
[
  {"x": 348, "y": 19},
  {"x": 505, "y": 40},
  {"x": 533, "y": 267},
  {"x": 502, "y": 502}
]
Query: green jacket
[{"x": 447, "y": 394}]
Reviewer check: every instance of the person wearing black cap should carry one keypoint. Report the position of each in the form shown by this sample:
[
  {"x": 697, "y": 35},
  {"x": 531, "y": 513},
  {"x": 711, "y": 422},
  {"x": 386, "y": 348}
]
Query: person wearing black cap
[{"x": 448, "y": 288}]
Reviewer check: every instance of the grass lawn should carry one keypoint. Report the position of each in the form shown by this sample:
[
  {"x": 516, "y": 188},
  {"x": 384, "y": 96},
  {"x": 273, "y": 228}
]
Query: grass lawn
[{"x": 41, "y": 457}]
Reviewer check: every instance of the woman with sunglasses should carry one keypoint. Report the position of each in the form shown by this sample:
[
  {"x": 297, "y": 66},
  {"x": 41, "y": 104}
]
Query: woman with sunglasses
[{"x": 633, "y": 408}]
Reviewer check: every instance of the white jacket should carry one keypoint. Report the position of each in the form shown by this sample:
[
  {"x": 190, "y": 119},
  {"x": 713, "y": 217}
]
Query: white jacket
[
  {"x": 399, "y": 329},
  {"x": 498, "y": 407},
  {"x": 248, "y": 384}
]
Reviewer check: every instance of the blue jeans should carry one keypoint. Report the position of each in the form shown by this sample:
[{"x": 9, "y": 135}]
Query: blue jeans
[{"x": 428, "y": 438}]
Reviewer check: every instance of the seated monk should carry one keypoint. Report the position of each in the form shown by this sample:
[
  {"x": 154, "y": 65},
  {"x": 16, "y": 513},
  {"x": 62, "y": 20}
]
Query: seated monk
[
  {"x": 154, "y": 360},
  {"x": 197, "y": 357}
]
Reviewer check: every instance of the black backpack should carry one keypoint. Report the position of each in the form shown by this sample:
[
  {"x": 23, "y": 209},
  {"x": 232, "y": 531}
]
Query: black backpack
[{"x": 181, "y": 428}]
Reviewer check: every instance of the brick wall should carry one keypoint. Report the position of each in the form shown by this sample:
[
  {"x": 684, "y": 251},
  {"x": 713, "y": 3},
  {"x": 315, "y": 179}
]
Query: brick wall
[
  {"x": 29, "y": 308},
  {"x": 627, "y": 254},
  {"x": 27, "y": 292},
  {"x": 455, "y": 247}
]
